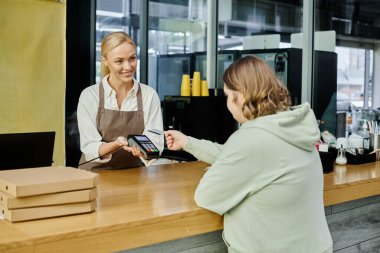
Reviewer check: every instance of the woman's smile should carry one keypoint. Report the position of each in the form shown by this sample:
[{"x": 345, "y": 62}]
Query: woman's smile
[{"x": 127, "y": 74}]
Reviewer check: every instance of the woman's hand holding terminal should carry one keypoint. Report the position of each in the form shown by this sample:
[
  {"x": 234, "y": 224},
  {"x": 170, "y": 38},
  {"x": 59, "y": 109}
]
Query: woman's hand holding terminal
[
  {"x": 175, "y": 140},
  {"x": 122, "y": 141}
]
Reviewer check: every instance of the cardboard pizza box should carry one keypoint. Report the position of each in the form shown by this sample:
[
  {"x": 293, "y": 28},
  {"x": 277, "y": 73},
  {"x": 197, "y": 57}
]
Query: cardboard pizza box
[
  {"x": 10, "y": 202},
  {"x": 34, "y": 213},
  {"x": 44, "y": 180}
]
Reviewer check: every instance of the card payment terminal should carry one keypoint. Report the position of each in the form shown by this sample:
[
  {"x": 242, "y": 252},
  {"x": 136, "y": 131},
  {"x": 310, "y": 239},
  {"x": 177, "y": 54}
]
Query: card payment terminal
[{"x": 145, "y": 145}]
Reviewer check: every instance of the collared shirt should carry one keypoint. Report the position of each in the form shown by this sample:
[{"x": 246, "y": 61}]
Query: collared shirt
[{"x": 90, "y": 138}]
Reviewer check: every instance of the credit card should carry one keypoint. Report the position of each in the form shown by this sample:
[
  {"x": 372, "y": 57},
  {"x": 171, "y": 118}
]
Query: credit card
[{"x": 156, "y": 131}]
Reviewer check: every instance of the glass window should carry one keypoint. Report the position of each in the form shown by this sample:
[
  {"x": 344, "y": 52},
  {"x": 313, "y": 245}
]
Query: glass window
[
  {"x": 116, "y": 15},
  {"x": 177, "y": 42},
  {"x": 177, "y": 29},
  {"x": 260, "y": 24},
  {"x": 354, "y": 39},
  {"x": 350, "y": 83},
  {"x": 262, "y": 28}
]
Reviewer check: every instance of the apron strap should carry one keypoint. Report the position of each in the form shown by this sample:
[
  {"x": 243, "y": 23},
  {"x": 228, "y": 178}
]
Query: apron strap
[
  {"x": 140, "y": 111},
  {"x": 101, "y": 105},
  {"x": 101, "y": 95}
]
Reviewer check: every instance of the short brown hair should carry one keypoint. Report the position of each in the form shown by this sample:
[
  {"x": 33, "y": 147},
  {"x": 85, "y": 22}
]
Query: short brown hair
[
  {"x": 110, "y": 41},
  {"x": 263, "y": 92}
]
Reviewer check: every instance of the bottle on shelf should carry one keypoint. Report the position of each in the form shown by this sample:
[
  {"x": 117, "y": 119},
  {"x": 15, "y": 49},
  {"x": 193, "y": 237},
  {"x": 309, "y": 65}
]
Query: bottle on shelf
[
  {"x": 364, "y": 132},
  {"x": 341, "y": 158}
]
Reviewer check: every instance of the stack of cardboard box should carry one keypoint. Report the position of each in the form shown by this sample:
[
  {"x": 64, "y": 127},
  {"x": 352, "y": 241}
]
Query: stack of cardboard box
[{"x": 37, "y": 193}]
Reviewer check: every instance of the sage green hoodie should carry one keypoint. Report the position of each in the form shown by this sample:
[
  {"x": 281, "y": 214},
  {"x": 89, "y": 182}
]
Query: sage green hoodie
[{"x": 267, "y": 181}]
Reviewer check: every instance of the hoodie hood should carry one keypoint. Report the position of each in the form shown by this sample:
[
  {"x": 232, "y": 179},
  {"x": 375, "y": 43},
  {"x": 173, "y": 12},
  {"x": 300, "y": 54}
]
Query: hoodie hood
[{"x": 297, "y": 126}]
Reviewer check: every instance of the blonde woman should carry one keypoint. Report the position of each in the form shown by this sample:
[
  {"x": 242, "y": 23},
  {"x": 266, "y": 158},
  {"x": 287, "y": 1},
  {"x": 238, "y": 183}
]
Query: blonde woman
[
  {"x": 267, "y": 179},
  {"x": 116, "y": 107}
]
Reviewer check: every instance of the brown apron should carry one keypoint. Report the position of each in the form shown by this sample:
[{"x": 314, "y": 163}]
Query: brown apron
[{"x": 112, "y": 124}]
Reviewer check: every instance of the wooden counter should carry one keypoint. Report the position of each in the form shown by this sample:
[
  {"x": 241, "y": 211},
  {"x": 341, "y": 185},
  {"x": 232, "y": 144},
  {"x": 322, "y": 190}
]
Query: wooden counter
[
  {"x": 351, "y": 182},
  {"x": 144, "y": 206}
]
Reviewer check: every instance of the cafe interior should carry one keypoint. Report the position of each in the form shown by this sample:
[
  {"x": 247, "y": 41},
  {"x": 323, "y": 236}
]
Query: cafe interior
[{"x": 326, "y": 52}]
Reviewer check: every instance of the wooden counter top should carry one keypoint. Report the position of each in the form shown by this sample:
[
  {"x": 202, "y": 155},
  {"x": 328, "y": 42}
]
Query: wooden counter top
[
  {"x": 351, "y": 182},
  {"x": 144, "y": 206},
  {"x": 135, "y": 207}
]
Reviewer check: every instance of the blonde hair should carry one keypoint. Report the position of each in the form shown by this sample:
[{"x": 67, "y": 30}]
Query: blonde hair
[
  {"x": 111, "y": 41},
  {"x": 263, "y": 92}
]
